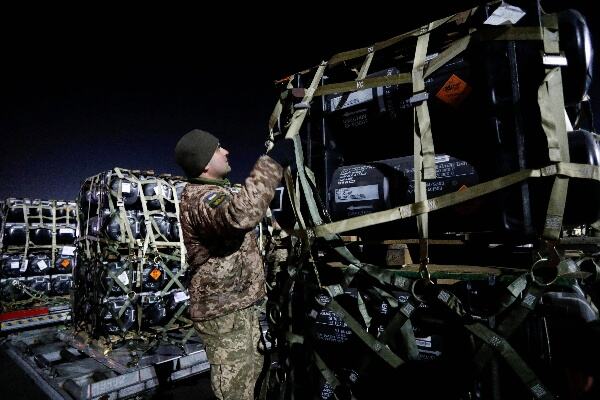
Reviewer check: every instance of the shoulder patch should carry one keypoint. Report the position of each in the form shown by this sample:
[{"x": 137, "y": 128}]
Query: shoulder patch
[{"x": 215, "y": 199}]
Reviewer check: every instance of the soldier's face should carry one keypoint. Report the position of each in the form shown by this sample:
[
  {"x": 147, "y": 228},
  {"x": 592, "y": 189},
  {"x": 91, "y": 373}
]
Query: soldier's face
[{"x": 218, "y": 166}]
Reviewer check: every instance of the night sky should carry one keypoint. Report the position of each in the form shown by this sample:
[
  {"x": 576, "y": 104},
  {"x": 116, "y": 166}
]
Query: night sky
[{"x": 83, "y": 94}]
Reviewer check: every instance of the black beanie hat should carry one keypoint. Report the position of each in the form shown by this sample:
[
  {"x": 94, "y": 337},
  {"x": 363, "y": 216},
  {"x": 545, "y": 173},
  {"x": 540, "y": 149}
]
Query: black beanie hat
[{"x": 194, "y": 150}]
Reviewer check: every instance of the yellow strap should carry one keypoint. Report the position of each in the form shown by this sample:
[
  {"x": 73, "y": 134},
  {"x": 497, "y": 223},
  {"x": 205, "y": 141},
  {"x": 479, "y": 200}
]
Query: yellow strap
[
  {"x": 582, "y": 171},
  {"x": 423, "y": 129}
]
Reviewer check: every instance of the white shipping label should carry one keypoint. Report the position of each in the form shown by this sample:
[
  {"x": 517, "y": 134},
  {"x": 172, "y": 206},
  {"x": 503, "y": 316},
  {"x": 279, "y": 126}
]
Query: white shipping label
[
  {"x": 423, "y": 342},
  {"x": 24, "y": 266},
  {"x": 505, "y": 14},
  {"x": 357, "y": 193},
  {"x": 15, "y": 264},
  {"x": 66, "y": 230},
  {"x": 68, "y": 251},
  {"x": 42, "y": 265},
  {"x": 180, "y": 296},
  {"x": 123, "y": 278},
  {"x": 125, "y": 187},
  {"x": 354, "y": 98}
]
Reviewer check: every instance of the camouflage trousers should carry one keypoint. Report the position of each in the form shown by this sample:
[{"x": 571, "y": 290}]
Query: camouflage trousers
[{"x": 231, "y": 343}]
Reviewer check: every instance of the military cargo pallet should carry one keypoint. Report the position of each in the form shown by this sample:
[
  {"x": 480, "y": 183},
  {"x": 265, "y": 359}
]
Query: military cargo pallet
[{"x": 66, "y": 367}]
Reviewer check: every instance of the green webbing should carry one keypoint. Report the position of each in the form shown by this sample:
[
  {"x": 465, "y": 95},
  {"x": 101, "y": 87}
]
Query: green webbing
[
  {"x": 124, "y": 288},
  {"x": 363, "y": 311},
  {"x": 379, "y": 348},
  {"x": 510, "y": 323},
  {"x": 401, "y": 324},
  {"x": 327, "y": 374},
  {"x": 512, "y": 292},
  {"x": 174, "y": 278},
  {"x": 509, "y": 354}
]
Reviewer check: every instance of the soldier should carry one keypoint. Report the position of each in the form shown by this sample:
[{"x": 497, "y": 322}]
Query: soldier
[{"x": 227, "y": 276}]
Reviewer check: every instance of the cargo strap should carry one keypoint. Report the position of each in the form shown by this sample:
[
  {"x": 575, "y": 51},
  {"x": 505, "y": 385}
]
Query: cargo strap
[
  {"x": 457, "y": 47},
  {"x": 381, "y": 349},
  {"x": 327, "y": 374},
  {"x": 509, "y": 324},
  {"x": 292, "y": 132},
  {"x": 509, "y": 33},
  {"x": 509, "y": 354},
  {"x": 499, "y": 343},
  {"x": 351, "y": 54},
  {"x": 572, "y": 170},
  {"x": 400, "y": 330},
  {"x": 27, "y": 234},
  {"x": 422, "y": 126},
  {"x": 552, "y": 110}
]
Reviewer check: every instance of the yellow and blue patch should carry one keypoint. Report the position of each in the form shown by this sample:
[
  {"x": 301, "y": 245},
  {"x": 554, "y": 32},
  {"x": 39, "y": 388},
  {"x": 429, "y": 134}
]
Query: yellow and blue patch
[{"x": 215, "y": 199}]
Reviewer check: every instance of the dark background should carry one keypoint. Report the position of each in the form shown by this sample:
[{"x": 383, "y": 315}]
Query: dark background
[{"x": 90, "y": 90}]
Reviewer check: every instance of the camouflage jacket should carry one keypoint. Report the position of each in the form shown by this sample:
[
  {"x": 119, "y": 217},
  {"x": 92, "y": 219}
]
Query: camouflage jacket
[{"x": 218, "y": 224}]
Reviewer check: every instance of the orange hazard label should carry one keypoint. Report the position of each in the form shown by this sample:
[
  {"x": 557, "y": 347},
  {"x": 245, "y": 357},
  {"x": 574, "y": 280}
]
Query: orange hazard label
[
  {"x": 463, "y": 187},
  {"x": 65, "y": 263},
  {"x": 454, "y": 91},
  {"x": 155, "y": 274}
]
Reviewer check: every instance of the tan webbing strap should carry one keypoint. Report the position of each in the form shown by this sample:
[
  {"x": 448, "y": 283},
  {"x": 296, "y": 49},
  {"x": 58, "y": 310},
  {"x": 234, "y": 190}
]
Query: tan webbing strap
[
  {"x": 552, "y": 109},
  {"x": 293, "y": 130},
  {"x": 300, "y": 114},
  {"x": 509, "y": 354},
  {"x": 367, "y": 83},
  {"x": 276, "y": 114},
  {"x": 556, "y": 208},
  {"x": 294, "y": 198},
  {"x": 181, "y": 247},
  {"x": 509, "y": 33},
  {"x": 550, "y": 100},
  {"x": 457, "y": 47},
  {"x": 27, "y": 236},
  {"x": 126, "y": 234},
  {"x": 422, "y": 121},
  {"x": 149, "y": 238},
  {"x": 351, "y": 54},
  {"x": 571, "y": 170},
  {"x": 53, "y": 210},
  {"x": 360, "y": 77},
  {"x": 424, "y": 154}
]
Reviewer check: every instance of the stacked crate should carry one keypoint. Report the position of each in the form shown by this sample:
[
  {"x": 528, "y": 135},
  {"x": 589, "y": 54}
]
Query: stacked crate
[
  {"x": 131, "y": 275},
  {"x": 37, "y": 241}
]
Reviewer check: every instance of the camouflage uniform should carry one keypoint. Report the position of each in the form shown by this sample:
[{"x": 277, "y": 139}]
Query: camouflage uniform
[{"x": 218, "y": 224}]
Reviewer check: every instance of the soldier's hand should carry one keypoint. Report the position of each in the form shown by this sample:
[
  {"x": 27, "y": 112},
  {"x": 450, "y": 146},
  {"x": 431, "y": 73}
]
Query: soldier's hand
[{"x": 283, "y": 152}]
